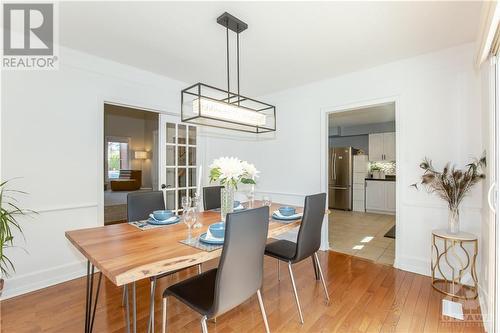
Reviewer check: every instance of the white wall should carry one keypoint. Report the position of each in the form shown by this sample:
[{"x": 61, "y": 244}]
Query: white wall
[
  {"x": 52, "y": 138},
  {"x": 439, "y": 117}
]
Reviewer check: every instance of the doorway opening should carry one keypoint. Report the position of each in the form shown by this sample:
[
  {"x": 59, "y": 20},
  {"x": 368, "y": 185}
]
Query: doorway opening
[
  {"x": 130, "y": 155},
  {"x": 362, "y": 181}
]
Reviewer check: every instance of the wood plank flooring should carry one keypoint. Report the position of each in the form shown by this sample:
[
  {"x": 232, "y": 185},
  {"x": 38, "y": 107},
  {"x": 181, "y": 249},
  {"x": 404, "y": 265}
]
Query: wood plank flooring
[{"x": 365, "y": 297}]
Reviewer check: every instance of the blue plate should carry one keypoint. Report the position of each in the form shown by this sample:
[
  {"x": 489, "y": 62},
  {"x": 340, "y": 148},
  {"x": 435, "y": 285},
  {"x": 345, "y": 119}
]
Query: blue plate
[
  {"x": 203, "y": 239},
  {"x": 166, "y": 222},
  {"x": 286, "y": 218}
]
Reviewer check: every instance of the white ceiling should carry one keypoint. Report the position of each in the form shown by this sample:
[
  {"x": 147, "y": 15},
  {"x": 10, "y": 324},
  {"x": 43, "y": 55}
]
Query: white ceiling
[
  {"x": 287, "y": 43},
  {"x": 370, "y": 115}
]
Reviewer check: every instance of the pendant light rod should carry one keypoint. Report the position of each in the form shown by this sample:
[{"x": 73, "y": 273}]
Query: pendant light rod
[
  {"x": 227, "y": 62},
  {"x": 236, "y": 25},
  {"x": 238, "y": 63}
]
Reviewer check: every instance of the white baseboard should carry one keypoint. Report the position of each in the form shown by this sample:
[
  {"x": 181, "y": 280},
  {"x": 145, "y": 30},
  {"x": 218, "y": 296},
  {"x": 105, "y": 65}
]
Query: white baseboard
[
  {"x": 42, "y": 279},
  {"x": 483, "y": 304},
  {"x": 413, "y": 264},
  {"x": 385, "y": 212}
]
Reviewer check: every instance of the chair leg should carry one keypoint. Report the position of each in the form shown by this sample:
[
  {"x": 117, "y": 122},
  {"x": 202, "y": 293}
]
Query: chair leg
[
  {"x": 315, "y": 268},
  {"x": 124, "y": 294},
  {"x": 151, "y": 323},
  {"x": 295, "y": 292},
  {"x": 279, "y": 275},
  {"x": 204, "y": 328},
  {"x": 134, "y": 308},
  {"x": 321, "y": 275},
  {"x": 127, "y": 308},
  {"x": 199, "y": 269},
  {"x": 262, "y": 310},
  {"x": 164, "y": 316}
]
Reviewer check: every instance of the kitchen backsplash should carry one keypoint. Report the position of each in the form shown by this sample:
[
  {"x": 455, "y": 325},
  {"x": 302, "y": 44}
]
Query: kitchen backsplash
[{"x": 389, "y": 168}]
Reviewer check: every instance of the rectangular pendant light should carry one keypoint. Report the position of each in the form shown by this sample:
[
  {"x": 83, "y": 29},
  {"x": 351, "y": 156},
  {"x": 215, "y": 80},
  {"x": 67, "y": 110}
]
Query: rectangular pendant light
[{"x": 205, "y": 105}]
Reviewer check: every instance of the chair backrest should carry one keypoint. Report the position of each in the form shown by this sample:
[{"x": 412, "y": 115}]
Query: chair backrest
[
  {"x": 309, "y": 237},
  {"x": 240, "y": 271},
  {"x": 141, "y": 204},
  {"x": 211, "y": 197}
]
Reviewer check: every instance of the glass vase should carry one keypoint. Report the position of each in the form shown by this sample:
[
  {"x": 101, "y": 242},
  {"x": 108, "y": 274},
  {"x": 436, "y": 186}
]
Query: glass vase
[
  {"x": 454, "y": 221},
  {"x": 226, "y": 202}
]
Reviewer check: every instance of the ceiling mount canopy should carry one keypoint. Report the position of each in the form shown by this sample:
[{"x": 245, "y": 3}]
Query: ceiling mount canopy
[{"x": 206, "y": 105}]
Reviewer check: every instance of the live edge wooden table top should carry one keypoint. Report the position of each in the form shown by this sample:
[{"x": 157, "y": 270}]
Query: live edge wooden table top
[{"x": 124, "y": 253}]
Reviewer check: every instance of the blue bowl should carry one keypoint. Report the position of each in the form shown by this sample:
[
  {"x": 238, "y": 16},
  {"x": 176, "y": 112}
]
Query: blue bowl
[
  {"x": 218, "y": 229},
  {"x": 287, "y": 211},
  {"x": 236, "y": 203},
  {"x": 162, "y": 215}
]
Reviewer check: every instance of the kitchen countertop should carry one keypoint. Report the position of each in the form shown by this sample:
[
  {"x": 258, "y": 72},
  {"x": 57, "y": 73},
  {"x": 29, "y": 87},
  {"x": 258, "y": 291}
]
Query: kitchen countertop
[{"x": 387, "y": 179}]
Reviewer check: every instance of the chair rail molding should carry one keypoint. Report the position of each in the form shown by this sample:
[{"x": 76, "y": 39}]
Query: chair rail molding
[{"x": 50, "y": 209}]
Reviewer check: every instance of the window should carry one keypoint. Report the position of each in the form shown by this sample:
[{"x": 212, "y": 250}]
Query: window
[{"x": 117, "y": 156}]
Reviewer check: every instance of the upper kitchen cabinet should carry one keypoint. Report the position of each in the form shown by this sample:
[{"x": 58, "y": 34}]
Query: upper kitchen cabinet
[
  {"x": 382, "y": 146},
  {"x": 389, "y": 146}
]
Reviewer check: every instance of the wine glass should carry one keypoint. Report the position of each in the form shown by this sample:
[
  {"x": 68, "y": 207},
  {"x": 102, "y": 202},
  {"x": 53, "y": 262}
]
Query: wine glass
[
  {"x": 266, "y": 201},
  {"x": 196, "y": 208},
  {"x": 189, "y": 219},
  {"x": 250, "y": 194},
  {"x": 186, "y": 202}
]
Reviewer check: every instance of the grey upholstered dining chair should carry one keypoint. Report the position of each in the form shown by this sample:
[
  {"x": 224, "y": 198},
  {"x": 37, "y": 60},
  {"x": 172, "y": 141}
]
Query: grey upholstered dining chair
[
  {"x": 308, "y": 243},
  {"x": 139, "y": 206},
  {"x": 211, "y": 197},
  {"x": 239, "y": 275}
]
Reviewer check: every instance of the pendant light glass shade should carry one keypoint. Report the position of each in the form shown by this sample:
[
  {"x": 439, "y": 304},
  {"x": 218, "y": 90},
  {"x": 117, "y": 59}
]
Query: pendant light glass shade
[{"x": 209, "y": 106}]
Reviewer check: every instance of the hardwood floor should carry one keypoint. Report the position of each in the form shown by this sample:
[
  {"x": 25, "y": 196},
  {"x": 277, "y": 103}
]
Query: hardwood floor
[{"x": 365, "y": 297}]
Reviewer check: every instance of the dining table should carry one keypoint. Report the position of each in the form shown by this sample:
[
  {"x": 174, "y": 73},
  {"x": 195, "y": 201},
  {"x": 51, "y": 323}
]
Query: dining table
[{"x": 125, "y": 254}]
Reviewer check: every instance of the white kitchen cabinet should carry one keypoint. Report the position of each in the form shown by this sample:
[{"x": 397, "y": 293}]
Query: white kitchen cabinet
[
  {"x": 382, "y": 146},
  {"x": 380, "y": 196},
  {"x": 375, "y": 195},
  {"x": 376, "y": 146},
  {"x": 390, "y": 146},
  {"x": 390, "y": 196}
]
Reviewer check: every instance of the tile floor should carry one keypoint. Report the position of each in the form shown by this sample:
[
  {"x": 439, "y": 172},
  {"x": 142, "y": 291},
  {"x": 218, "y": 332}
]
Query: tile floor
[{"x": 362, "y": 235}]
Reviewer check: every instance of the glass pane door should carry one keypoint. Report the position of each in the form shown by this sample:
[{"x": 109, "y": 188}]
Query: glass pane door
[{"x": 178, "y": 171}]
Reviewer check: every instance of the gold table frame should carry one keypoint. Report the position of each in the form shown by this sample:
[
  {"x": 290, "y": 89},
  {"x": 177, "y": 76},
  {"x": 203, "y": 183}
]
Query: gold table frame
[{"x": 451, "y": 243}]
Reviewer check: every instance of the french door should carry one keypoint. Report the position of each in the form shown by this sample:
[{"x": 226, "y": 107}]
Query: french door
[{"x": 178, "y": 160}]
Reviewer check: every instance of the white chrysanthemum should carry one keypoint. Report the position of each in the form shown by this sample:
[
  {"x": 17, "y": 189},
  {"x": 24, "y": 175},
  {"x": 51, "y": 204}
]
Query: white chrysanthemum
[
  {"x": 230, "y": 168},
  {"x": 250, "y": 169}
]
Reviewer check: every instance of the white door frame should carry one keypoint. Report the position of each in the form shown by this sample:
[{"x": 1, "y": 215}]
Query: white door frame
[
  {"x": 100, "y": 142},
  {"x": 324, "y": 113}
]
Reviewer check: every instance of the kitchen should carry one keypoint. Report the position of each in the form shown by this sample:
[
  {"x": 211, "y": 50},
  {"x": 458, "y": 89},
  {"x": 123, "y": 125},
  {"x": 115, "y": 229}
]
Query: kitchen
[{"x": 362, "y": 182}]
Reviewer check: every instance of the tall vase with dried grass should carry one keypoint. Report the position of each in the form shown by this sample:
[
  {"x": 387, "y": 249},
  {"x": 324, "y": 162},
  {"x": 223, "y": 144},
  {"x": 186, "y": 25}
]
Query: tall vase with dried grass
[
  {"x": 9, "y": 214},
  {"x": 452, "y": 185}
]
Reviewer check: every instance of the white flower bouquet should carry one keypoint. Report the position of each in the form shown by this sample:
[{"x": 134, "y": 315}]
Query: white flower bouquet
[{"x": 230, "y": 171}]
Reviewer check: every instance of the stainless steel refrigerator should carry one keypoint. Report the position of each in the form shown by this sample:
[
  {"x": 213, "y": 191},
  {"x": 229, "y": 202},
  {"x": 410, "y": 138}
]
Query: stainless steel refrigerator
[{"x": 340, "y": 178}]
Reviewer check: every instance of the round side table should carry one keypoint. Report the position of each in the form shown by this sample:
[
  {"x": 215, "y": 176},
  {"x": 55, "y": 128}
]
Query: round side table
[{"x": 453, "y": 245}]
